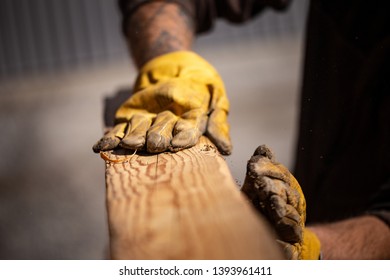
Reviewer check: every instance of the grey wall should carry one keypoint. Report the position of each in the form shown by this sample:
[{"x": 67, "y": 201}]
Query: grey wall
[
  {"x": 46, "y": 35},
  {"x": 42, "y": 35}
]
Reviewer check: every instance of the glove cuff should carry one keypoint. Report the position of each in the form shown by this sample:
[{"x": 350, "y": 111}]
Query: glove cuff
[
  {"x": 311, "y": 246},
  {"x": 179, "y": 58}
]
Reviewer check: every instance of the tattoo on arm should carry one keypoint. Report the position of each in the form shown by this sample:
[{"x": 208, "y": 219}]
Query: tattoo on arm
[{"x": 158, "y": 28}]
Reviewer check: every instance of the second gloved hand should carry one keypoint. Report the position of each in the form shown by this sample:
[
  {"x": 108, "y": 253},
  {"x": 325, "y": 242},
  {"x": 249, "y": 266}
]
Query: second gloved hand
[
  {"x": 275, "y": 192},
  {"x": 177, "y": 97}
]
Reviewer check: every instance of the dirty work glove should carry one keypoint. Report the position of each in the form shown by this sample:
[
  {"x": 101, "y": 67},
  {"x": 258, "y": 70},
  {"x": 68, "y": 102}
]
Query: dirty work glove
[
  {"x": 275, "y": 192},
  {"x": 177, "y": 97}
]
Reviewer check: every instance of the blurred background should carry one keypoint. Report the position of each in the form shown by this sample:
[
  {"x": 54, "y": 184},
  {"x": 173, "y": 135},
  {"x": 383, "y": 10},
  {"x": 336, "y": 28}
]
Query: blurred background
[{"x": 59, "y": 60}]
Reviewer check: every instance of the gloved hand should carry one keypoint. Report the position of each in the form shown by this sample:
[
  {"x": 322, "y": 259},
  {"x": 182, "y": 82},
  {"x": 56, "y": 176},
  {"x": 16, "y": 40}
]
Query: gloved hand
[
  {"x": 275, "y": 192},
  {"x": 177, "y": 97}
]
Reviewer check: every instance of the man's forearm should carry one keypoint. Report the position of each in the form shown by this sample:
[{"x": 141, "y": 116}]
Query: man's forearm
[
  {"x": 158, "y": 28},
  {"x": 365, "y": 237}
]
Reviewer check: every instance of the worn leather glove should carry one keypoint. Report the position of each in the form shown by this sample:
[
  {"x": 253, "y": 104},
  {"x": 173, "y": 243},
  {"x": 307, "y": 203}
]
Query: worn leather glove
[
  {"x": 275, "y": 192},
  {"x": 177, "y": 97}
]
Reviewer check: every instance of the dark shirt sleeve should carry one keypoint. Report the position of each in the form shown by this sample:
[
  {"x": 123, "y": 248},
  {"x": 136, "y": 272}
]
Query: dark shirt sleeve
[
  {"x": 205, "y": 12},
  {"x": 380, "y": 203}
]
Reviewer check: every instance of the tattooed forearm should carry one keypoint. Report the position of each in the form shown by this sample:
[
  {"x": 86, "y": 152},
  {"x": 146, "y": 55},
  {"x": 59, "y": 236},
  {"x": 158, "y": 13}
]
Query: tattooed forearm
[{"x": 158, "y": 28}]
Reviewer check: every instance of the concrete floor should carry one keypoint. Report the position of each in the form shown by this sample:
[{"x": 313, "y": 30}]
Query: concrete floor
[{"x": 52, "y": 184}]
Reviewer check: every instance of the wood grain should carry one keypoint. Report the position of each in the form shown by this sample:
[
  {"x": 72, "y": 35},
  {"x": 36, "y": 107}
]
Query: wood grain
[{"x": 182, "y": 205}]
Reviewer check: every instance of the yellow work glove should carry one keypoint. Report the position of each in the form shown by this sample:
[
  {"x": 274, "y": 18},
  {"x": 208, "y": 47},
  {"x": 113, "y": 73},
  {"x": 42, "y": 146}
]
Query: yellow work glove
[
  {"x": 275, "y": 192},
  {"x": 177, "y": 97}
]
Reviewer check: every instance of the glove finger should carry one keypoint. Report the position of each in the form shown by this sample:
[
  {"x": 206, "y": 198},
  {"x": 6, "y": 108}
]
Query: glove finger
[
  {"x": 188, "y": 130},
  {"x": 186, "y": 135},
  {"x": 218, "y": 131},
  {"x": 112, "y": 139},
  {"x": 259, "y": 187},
  {"x": 263, "y": 164},
  {"x": 291, "y": 252},
  {"x": 266, "y": 164},
  {"x": 297, "y": 198},
  {"x": 288, "y": 227},
  {"x": 294, "y": 198},
  {"x": 136, "y": 132},
  {"x": 160, "y": 133},
  {"x": 274, "y": 204},
  {"x": 271, "y": 187},
  {"x": 218, "y": 95}
]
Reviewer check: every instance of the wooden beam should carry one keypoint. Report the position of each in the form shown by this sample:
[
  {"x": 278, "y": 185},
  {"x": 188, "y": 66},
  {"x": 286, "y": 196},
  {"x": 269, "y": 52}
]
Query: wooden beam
[{"x": 181, "y": 205}]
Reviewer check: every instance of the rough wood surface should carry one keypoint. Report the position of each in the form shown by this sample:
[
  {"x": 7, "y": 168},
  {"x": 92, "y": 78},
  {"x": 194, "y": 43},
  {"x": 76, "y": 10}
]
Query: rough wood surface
[{"x": 181, "y": 205}]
